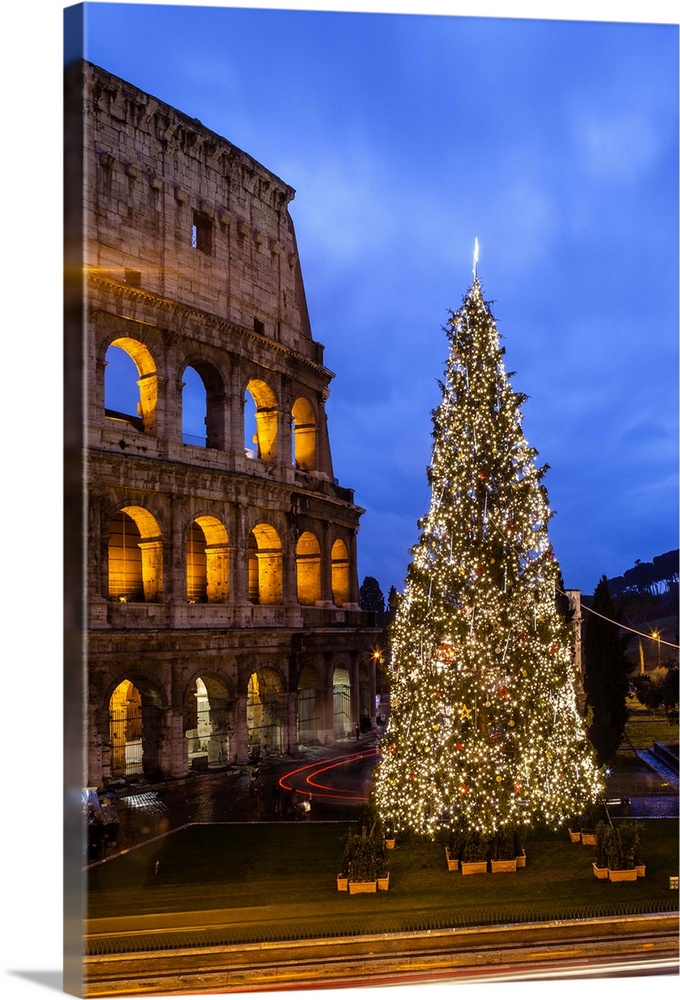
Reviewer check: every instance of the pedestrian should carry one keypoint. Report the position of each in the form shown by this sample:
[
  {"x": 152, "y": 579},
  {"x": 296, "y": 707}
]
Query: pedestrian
[{"x": 276, "y": 799}]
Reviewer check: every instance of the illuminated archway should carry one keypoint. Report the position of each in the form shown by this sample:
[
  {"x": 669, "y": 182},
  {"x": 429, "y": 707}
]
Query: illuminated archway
[
  {"x": 265, "y": 439},
  {"x": 208, "y": 707},
  {"x": 340, "y": 572},
  {"x": 121, "y": 401},
  {"x": 304, "y": 434},
  {"x": 135, "y": 556},
  {"x": 309, "y": 691},
  {"x": 341, "y": 702},
  {"x": 207, "y": 561},
  {"x": 308, "y": 566},
  {"x": 265, "y": 565},
  {"x": 134, "y": 729},
  {"x": 266, "y": 713}
]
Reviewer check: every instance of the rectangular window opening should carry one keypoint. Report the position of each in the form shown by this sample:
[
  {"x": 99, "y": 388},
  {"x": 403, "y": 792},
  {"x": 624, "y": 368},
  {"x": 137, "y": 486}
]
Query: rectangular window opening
[{"x": 201, "y": 233}]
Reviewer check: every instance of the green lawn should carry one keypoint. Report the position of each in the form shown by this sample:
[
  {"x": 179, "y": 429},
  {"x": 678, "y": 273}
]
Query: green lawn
[
  {"x": 275, "y": 881},
  {"x": 645, "y": 727}
]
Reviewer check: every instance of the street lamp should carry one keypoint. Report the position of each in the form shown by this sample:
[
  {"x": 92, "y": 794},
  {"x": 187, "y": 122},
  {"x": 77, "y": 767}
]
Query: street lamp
[{"x": 657, "y": 636}]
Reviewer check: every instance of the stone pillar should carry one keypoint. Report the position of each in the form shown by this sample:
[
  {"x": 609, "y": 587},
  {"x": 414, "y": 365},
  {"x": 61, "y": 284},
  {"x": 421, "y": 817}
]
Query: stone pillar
[
  {"x": 354, "y": 687},
  {"x": 326, "y": 706},
  {"x": 239, "y": 556},
  {"x": 326, "y": 569}
]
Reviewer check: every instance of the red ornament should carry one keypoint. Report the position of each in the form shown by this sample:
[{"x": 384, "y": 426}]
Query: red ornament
[
  {"x": 516, "y": 788},
  {"x": 503, "y": 693},
  {"x": 459, "y": 746}
]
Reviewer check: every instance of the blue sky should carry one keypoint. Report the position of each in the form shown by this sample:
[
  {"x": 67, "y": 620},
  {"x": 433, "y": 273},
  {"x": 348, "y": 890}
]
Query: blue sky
[{"x": 555, "y": 142}]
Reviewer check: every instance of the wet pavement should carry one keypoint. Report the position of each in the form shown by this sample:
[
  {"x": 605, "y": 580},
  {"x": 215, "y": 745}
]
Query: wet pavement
[{"x": 333, "y": 779}]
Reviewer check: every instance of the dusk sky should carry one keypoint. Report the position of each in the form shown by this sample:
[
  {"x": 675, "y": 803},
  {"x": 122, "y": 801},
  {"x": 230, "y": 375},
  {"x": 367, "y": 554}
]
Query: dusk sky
[{"x": 407, "y": 136}]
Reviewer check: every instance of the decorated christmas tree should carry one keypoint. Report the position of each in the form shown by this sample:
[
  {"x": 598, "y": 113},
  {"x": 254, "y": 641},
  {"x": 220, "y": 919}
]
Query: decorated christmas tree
[{"x": 484, "y": 729}]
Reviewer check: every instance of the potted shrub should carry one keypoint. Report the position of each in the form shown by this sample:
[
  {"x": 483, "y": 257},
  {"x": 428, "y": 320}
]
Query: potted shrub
[
  {"x": 364, "y": 862},
  {"x": 574, "y": 829},
  {"x": 590, "y": 817},
  {"x": 628, "y": 835},
  {"x": 502, "y": 851},
  {"x": 621, "y": 854},
  {"x": 390, "y": 838},
  {"x": 603, "y": 832},
  {"x": 518, "y": 833},
  {"x": 453, "y": 848},
  {"x": 473, "y": 855}
]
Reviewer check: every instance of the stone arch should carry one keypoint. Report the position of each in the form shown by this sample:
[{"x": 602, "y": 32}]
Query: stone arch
[
  {"x": 340, "y": 572},
  {"x": 145, "y": 419},
  {"x": 207, "y": 561},
  {"x": 203, "y": 401},
  {"x": 135, "y": 713},
  {"x": 342, "y": 710},
  {"x": 308, "y": 568},
  {"x": 265, "y": 565},
  {"x": 135, "y": 556},
  {"x": 266, "y": 712},
  {"x": 266, "y": 421},
  {"x": 208, "y": 722},
  {"x": 309, "y": 691},
  {"x": 304, "y": 434}
]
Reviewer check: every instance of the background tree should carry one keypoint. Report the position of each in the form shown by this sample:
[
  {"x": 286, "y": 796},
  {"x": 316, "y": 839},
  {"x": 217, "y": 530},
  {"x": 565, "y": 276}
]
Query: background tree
[
  {"x": 371, "y": 597},
  {"x": 484, "y": 730},
  {"x": 607, "y": 674},
  {"x": 659, "y": 689}
]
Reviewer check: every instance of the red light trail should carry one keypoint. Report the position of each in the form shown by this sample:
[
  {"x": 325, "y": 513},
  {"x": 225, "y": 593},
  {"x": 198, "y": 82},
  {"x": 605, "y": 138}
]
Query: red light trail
[{"x": 307, "y": 774}]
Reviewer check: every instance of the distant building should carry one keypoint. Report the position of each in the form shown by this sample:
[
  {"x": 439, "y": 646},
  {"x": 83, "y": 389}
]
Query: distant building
[{"x": 221, "y": 592}]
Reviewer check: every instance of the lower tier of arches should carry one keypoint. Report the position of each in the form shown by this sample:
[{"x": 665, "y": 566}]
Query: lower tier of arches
[{"x": 160, "y": 712}]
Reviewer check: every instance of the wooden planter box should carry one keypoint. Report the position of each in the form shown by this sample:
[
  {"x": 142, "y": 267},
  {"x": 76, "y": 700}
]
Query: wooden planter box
[
  {"x": 588, "y": 837},
  {"x": 504, "y": 865},
  {"x": 389, "y": 843},
  {"x": 473, "y": 867},
  {"x": 574, "y": 836},
  {"x": 623, "y": 875},
  {"x": 641, "y": 870},
  {"x": 452, "y": 863},
  {"x": 521, "y": 860},
  {"x": 600, "y": 872},
  {"x": 343, "y": 883},
  {"x": 355, "y": 887},
  {"x": 383, "y": 882}
]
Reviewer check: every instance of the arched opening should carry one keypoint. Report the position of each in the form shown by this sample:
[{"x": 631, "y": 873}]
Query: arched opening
[
  {"x": 135, "y": 556},
  {"x": 266, "y": 712},
  {"x": 134, "y": 729},
  {"x": 131, "y": 384},
  {"x": 308, "y": 565},
  {"x": 208, "y": 708},
  {"x": 263, "y": 442},
  {"x": 341, "y": 703},
  {"x": 304, "y": 434},
  {"x": 194, "y": 409},
  {"x": 265, "y": 566},
  {"x": 203, "y": 406},
  {"x": 340, "y": 572},
  {"x": 309, "y": 692},
  {"x": 207, "y": 561}
]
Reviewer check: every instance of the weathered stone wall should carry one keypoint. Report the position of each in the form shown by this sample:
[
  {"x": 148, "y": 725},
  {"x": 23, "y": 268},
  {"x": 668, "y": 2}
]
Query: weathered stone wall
[
  {"x": 231, "y": 308},
  {"x": 151, "y": 174}
]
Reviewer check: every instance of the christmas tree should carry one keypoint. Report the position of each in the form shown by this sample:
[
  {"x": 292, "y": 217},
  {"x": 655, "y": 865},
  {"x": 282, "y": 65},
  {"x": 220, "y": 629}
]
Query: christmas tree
[{"x": 484, "y": 729}]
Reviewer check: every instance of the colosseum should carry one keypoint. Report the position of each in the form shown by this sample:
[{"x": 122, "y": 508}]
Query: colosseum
[{"x": 221, "y": 588}]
